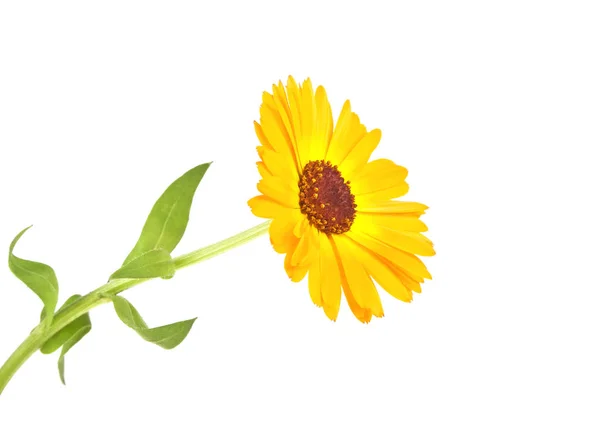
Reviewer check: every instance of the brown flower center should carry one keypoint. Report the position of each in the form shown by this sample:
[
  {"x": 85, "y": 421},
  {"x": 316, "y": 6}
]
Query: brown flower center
[{"x": 325, "y": 198}]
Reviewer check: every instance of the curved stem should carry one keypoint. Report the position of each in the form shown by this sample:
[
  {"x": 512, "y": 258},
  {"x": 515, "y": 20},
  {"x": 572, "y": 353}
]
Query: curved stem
[
  {"x": 103, "y": 294},
  {"x": 221, "y": 247},
  {"x": 18, "y": 357}
]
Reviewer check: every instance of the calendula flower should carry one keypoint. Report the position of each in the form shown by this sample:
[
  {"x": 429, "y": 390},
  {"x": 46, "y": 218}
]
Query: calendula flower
[{"x": 333, "y": 211}]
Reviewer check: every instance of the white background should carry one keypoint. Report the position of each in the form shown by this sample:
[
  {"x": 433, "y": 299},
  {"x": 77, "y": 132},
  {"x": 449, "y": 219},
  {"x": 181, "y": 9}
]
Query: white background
[{"x": 492, "y": 106}]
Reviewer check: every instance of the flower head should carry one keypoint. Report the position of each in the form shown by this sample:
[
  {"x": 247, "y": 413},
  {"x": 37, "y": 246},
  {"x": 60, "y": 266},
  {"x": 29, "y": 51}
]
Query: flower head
[{"x": 332, "y": 210}]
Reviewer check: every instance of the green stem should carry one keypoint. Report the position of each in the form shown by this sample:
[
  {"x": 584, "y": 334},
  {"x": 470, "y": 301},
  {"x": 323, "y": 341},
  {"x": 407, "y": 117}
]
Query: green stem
[{"x": 103, "y": 295}]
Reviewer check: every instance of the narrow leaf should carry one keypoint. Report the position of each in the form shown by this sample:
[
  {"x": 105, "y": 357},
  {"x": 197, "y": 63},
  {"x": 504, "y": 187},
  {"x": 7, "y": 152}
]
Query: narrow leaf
[
  {"x": 128, "y": 314},
  {"x": 167, "y": 337},
  {"x": 67, "y": 337},
  {"x": 72, "y": 341},
  {"x": 40, "y": 278},
  {"x": 156, "y": 263},
  {"x": 169, "y": 216},
  {"x": 61, "y": 337}
]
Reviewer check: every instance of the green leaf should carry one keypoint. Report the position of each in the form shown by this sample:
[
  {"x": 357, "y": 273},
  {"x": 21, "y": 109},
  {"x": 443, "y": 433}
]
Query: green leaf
[
  {"x": 169, "y": 217},
  {"x": 67, "y": 337},
  {"x": 72, "y": 341},
  {"x": 167, "y": 336},
  {"x": 60, "y": 338},
  {"x": 156, "y": 263},
  {"x": 40, "y": 278}
]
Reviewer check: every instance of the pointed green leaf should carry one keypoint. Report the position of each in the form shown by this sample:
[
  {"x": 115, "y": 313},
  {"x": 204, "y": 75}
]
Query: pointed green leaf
[
  {"x": 167, "y": 336},
  {"x": 156, "y": 263},
  {"x": 128, "y": 314},
  {"x": 40, "y": 278},
  {"x": 67, "y": 303},
  {"x": 67, "y": 337},
  {"x": 169, "y": 217},
  {"x": 72, "y": 341},
  {"x": 61, "y": 337}
]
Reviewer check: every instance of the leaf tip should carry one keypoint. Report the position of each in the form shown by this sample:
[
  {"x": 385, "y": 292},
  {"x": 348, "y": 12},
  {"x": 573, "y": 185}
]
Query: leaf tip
[
  {"x": 61, "y": 369},
  {"x": 206, "y": 164},
  {"x": 17, "y": 238}
]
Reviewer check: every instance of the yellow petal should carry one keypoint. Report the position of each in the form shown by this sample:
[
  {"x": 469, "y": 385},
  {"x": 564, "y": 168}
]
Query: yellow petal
[
  {"x": 379, "y": 180},
  {"x": 314, "y": 276},
  {"x": 281, "y": 230},
  {"x": 280, "y": 102},
  {"x": 407, "y": 261},
  {"x": 394, "y": 207},
  {"x": 261, "y": 136},
  {"x": 398, "y": 222},
  {"x": 347, "y": 133},
  {"x": 386, "y": 276},
  {"x": 359, "y": 289},
  {"x": 323, "y": 128},
  {"x": 275, "y": 164},
  {"x": 295, "y": 273},
  {"x": 361, "y": 285},
  {"x": 360, "y": 154},
  {"x": 331, "y": 292},
  {"x": 285, "y": 112},
  {"x": 293, "y": 97},
  {"x": 275, "y": 132},
  {"x": 301, "y": 227},
  {"x": 307, "y": 114},
  {"x": 411, "y": 242},
  {"x": 265, "y": 207},
  {"x": 362, "y": 314},
  {"x": 304, "y": 250},
  {"x": 409, "y": 281},
  {"x": 263, "y": 170},
  {"x": 279, "y": 190}
]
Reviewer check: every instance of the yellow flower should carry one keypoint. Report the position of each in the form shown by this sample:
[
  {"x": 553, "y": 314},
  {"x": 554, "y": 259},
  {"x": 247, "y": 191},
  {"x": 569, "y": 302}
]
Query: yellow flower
[{"x": 332, "y": 210}]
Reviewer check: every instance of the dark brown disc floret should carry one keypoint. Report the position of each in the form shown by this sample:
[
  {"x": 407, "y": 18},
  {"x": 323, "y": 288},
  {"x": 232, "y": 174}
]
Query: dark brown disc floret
[{"x": 325, "y": 198}]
